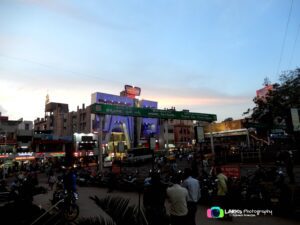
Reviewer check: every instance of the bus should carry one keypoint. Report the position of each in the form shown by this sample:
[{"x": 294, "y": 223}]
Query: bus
[{"x": 138, "y": 155}]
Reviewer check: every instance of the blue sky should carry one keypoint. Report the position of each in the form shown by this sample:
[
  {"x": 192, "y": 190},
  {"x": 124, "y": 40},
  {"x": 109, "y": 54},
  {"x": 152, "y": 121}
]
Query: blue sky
[{"x": 206, "y": 56}]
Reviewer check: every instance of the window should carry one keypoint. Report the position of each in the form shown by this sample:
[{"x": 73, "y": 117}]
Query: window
[{"x": 26, "y": 126}]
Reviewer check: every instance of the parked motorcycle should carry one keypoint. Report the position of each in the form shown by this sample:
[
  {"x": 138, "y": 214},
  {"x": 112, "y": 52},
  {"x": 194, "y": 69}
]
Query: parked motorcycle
[
  {"x": 127, "y": 182},
  {"x": 209, "y": 188}
]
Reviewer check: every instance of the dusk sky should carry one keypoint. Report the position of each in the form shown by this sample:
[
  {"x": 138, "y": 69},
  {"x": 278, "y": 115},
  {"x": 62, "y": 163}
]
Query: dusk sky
[{"x": 208, "y": 56}]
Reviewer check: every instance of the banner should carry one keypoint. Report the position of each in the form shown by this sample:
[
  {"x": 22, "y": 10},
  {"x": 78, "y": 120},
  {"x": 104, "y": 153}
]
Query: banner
[
  {"x": 295, "y": 119},
  {"x": 231, "y": 170}
]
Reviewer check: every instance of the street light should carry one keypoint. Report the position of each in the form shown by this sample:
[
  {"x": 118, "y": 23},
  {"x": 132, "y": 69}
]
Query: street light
[
  {"x": 5, "y": 140},
  {"x": 100, "y": 161}
]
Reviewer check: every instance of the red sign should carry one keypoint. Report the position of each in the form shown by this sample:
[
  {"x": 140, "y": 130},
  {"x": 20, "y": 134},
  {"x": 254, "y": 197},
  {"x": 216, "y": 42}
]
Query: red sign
[
  {"x": 39, "y": 154},
  {"x": 131, "y": 92},
  {"x": 116, "y": 169},
  {"x": 231, "y": 170},
  {"x": 3, "y": 156},
  {"x": 262, "y": 93}
]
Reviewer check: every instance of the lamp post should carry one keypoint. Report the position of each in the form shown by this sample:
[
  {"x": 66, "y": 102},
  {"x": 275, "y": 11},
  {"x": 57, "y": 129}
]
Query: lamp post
[
  {"x": 100, "y": 164},
  {"x": 5, "y": 140},
  {"x": 211, "y": 139}
]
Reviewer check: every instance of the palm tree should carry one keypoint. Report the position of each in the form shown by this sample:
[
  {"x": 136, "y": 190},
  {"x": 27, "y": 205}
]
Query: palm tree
[{"x": 119, "y": 210}]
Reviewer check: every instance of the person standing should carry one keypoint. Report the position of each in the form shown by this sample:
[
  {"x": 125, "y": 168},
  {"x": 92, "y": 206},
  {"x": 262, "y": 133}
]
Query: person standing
[
  {"x": 154, "y": 201},
  {"x": 51, "y": 180},
  {"x": 222, "y": 191},
  {"x": 222, "y": 183},
  {"x": 177, "y": 197},
  {"x": 193, "y": 187}
]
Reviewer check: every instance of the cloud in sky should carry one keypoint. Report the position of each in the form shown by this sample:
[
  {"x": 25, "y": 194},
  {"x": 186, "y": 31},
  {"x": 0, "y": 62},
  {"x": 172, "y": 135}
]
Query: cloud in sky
[
  {"x": 78, "y": 12},
  {"x": 198, "y": 55},
  {"x": 2, "y": 110}
]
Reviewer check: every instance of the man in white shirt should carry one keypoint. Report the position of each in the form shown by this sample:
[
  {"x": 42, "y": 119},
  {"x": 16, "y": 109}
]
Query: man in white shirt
[
  {"x": 177, "y": 197},
  {"x": 193, "y": 187}
]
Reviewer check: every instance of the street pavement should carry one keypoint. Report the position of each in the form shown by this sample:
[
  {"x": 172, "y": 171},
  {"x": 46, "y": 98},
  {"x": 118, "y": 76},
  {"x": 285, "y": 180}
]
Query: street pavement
[{"x": 89, "y": 209}]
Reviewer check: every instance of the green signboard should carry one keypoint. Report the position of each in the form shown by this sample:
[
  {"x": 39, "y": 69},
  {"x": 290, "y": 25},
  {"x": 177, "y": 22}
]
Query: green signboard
[{"x": 106, "y": 109}]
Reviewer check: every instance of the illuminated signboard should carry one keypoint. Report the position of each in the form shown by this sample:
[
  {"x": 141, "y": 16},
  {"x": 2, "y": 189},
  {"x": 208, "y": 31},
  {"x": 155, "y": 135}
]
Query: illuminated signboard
[
  {"x": 200, "y": 134},
  {"x": 90, "y": 153},
  {"x": 25, "y": 158},
  {"x": 3, "y": 156},
  {"x": 295, "y": 118},
  {"x": 57, "y": 154},
  {"x": 22, "y": 154},
  {"x": 40, "y": 154},
  {"x": 131, "y": 92},
  {"x": 231, "y": 171},
  {"x": 87, "y": 138},
  {"x": 106, "y": 109}
]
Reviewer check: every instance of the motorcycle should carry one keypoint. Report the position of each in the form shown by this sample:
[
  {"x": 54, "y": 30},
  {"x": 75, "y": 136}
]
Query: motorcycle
[
  {"x": 209, "y": 188},
  {"x": 127, "y": 183},
  {"x": 65, "y": 201}
]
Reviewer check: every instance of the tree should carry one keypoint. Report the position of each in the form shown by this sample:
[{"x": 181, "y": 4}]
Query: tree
[
  {"x": 228, "y": 119},
  {"x": 266, "y": 81},
  {"x": 274, "y": 110},
  {"x": 120, "y": 212}
]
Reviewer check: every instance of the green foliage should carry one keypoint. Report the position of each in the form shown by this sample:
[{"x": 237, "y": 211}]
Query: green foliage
[
  {"x": 120, "y": 211},
  {"x": 274, "y": 111},
  {"x": 94, "y": 221}
]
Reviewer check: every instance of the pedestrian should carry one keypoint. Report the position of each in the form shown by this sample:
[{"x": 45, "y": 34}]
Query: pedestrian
[
  {"x": 289, "y": 166},
  {"x": 69, "y": 180},
  {"x": 51, "y": 180},
  {"x": 154, "y": 201},
  {"x": 112, "y": 180},
  {"x": 194, "y": 166},
  {"x": 174, "y": 167},
  {"x": 222, "y": 182},
  {"x": 177, "y": 197},
  {"x": 222, "y": 191},
  {"x": 193, "y": 187}
]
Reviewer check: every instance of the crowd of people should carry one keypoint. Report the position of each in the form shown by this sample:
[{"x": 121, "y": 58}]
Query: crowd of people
[{"x": 182, "y": 193}]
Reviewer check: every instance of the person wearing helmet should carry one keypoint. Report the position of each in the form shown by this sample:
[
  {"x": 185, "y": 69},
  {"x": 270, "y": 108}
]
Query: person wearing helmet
[{"x": 70, "y": 180}]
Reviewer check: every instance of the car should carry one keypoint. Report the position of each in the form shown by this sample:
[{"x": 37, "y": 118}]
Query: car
[{"x": 107, "y": 161}]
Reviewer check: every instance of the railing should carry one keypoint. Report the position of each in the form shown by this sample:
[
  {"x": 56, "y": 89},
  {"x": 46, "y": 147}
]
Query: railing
[
  {"x": 47, "y": 212},
  {"x": 251, "y": 155}
]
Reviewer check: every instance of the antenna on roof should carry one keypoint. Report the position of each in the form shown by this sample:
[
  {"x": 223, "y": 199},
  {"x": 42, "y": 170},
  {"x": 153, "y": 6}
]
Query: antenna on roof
[{"x": 47, "y": 98}]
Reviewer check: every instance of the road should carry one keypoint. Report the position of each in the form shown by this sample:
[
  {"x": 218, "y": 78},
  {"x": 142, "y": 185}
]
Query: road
[{"x": 89, "y": 209}]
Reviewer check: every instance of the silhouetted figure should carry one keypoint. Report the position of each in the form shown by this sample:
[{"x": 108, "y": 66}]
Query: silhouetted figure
[
  {"x": 69, "y": 180},
  {"x": 177, "y": 197},
  {"x": 154, "y": 201},
  {"x": 193, "y": 187}
]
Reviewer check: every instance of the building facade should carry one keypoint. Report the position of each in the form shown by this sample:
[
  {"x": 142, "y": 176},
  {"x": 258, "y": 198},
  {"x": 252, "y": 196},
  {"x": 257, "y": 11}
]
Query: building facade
[
  {"x": 176, "y": 133},
  {"x": 132, "y": 132}
]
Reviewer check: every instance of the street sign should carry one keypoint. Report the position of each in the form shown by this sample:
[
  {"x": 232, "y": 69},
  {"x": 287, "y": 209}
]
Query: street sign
[
  {"x": 106, "y": 109},
  {"x": 295, "y": 118},
  {"x": 231, "y": 170},
  {"x": 152, "y": 143},
  {"x": 121, "y": 146}
]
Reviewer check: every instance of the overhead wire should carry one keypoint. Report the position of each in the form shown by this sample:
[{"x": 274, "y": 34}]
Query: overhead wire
[
  {"x": 284, "y": 39},
  {"x": 294, "y": 46},
  {"x": 51, "y": 67}
]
